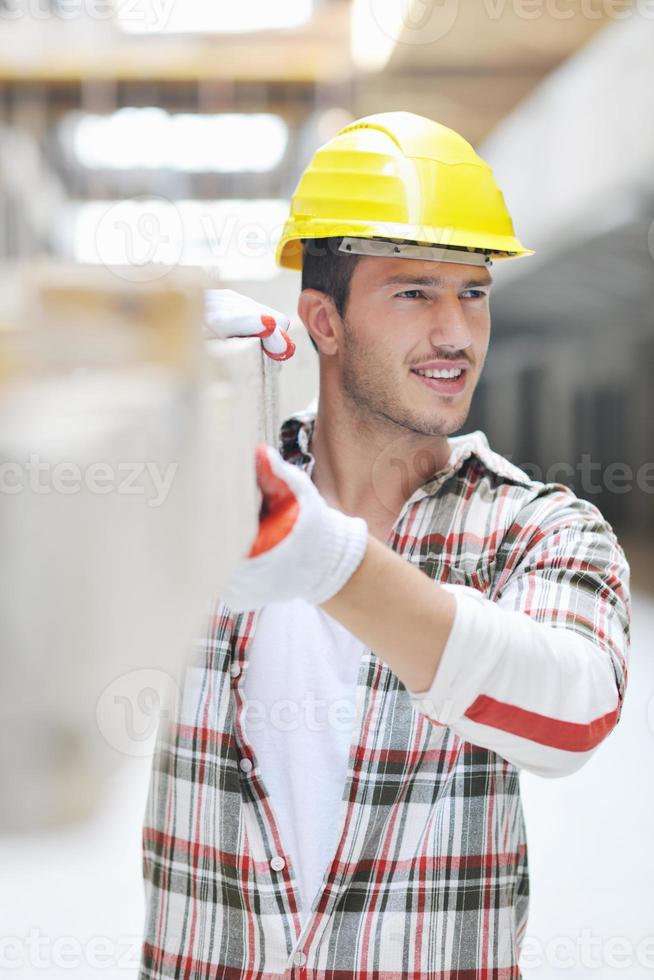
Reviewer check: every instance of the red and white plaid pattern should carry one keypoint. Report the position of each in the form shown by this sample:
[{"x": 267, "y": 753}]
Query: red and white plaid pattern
[{"x": 429, "y": 879}]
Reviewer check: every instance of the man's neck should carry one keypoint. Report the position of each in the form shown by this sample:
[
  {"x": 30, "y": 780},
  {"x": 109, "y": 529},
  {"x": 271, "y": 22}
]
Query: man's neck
[{"x": 369, "y": 467}]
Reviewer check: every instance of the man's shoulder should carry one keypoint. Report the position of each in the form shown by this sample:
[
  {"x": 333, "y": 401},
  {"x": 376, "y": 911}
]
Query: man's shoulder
[
  {"x": 296, "y": 429},
  {"x": 470, "y": 451},
  {"x": 544, "y": 519},
  {"x": 528, "y": 490},
  {"x": 475, "y": 444},
  {"x": 527, "y": 510}
]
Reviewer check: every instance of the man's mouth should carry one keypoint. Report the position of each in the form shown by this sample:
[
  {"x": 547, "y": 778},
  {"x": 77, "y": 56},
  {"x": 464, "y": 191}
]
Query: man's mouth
[{"x": 449, "y": 381}]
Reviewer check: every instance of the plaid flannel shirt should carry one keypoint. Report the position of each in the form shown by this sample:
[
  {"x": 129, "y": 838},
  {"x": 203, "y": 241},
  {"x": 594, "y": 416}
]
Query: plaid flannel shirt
[{"x": 430, "y": 874}]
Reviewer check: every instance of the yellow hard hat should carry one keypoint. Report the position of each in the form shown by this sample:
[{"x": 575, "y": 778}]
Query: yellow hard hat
[{"x": 398, "y": 175}]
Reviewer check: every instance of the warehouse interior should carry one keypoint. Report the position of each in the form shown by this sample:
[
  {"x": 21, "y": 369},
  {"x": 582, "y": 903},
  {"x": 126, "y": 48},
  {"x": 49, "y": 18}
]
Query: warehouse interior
[{"x": 151, "y": 148}]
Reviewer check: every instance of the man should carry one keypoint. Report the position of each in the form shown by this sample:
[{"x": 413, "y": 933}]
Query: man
[{"x": 473, "y": 620}]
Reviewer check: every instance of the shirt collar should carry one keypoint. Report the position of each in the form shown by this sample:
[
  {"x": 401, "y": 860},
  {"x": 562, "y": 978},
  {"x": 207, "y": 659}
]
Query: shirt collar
[{"x": 295, "y": 440}]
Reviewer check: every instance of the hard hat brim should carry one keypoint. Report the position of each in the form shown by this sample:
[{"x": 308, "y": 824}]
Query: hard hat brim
[{"x": 288, "y": 253}]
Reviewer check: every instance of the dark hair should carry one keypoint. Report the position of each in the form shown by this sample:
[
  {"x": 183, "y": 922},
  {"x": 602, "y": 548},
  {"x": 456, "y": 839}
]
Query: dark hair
[{"x": 327, "y": 269}]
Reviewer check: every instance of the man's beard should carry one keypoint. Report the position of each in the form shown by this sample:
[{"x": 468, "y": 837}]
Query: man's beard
[{"x": 377, "y": 399}]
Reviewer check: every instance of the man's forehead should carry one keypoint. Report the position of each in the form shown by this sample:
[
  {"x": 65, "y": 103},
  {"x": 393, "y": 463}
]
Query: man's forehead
[{"x": 389, "y": 271}]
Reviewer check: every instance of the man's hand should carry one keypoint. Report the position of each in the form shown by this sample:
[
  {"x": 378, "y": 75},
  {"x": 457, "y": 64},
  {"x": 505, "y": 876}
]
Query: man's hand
[
  {"x": 230, "y": 314},
  {"x": 304, "y": 548}
]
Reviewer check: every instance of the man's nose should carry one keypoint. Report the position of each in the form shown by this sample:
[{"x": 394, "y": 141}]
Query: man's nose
[{"x": 450, "y": 327}]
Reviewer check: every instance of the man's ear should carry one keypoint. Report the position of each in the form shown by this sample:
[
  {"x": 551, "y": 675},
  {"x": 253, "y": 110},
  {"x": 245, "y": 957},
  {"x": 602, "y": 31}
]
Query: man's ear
[{"x": 319, "y": 315}]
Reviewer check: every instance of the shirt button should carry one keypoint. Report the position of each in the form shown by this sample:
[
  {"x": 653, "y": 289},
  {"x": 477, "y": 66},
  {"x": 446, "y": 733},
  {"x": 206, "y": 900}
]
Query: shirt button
[
  {"x": 277, "y": 863},
  {"x": 300, "y": 958},
  {"x": 235, "y": 670},
  {"x": 246, "y": 765}
]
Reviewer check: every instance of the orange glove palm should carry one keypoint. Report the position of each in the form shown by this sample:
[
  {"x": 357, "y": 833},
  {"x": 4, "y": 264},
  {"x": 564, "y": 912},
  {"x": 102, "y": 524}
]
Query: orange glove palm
[{"x": 303, "y": 549}]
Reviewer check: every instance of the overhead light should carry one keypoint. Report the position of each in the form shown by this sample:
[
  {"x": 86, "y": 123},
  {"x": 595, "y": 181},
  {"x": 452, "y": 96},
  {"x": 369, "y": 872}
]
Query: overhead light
[
  {"x": 375, "y": 28},
  {"x": 200, "y": 17},
  {"x": 151, "y": 138}
]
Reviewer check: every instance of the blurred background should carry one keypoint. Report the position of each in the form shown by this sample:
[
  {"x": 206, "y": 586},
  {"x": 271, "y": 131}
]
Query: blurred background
[{"x": 173, "y": 132}]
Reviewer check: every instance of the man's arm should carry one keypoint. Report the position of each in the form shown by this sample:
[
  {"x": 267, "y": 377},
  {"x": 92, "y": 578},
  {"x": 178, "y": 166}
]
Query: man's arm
[
  {"x": 539, "y": 674},
  {"x": 397, "y": 611},
  {"x": 536, "y": 670}
]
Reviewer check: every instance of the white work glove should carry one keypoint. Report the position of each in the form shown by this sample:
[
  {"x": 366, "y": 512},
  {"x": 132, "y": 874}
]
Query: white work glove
[
  {"x": 231, "y": 314},
  {"x": 304, "y": 548}
]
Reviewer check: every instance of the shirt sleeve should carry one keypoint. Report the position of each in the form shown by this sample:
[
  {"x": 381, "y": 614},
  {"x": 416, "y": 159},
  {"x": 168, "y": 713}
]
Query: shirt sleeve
[{"x": 537, "y": 670}]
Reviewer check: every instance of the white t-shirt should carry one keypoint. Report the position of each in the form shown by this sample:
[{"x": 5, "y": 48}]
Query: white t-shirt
[{"x": 300, "y": 688}]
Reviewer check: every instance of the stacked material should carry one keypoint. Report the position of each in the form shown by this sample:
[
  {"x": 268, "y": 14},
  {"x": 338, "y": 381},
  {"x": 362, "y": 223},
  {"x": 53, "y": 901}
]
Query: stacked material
[{"x": 127, "y": 470}]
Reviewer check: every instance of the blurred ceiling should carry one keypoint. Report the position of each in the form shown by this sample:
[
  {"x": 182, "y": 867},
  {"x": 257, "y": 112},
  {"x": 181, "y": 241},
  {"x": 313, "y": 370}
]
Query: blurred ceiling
[
  {"x": 463, "y": 62},
  {"x": 316, "y": 52},
  {"x": 468, "y": 63}
]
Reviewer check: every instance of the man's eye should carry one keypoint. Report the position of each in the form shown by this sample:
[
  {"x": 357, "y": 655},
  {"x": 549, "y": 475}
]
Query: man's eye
[
  {"x": 476, "y": 293},
  {"x": 416, "y": 292}
]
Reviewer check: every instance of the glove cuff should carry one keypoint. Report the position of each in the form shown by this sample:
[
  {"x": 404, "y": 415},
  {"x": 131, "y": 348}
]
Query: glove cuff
[{"x": 340, "y": 551}]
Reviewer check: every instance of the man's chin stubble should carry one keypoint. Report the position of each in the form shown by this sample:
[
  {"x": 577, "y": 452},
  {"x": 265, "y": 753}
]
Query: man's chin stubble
[
  {"x": 389, "y": 412},
  {"x": 398, "y": 417}
]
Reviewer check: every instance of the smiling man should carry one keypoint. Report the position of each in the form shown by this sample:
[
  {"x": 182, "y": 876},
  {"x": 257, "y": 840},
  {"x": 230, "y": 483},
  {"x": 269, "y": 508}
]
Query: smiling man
[
  {"x": 467, "y": 620},
  {"x": 414, "y": 330}
]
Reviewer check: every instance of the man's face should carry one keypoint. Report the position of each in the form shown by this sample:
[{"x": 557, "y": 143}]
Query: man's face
[{"x": 405, "y": 317}]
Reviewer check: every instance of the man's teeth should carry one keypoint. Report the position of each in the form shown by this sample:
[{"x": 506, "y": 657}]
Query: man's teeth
[{"x": 452, "y": 373}]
